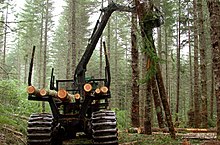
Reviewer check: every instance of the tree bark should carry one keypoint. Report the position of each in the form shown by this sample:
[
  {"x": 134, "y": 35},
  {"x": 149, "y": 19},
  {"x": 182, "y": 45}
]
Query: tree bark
[
  {"x": 164, "y": 100},
  {"x": 45, "y": 51},
  {"x": 40, "y": 50},
  {"x": 5, "y": 37},
  {"x": 73, "y": 35},
  {"x": 100, "y": 53},
  {"x": 178, "y": 69},
  {"x": 157, "y": 103},
  {"x": 135, "y": 74},
  {"x": 214, "y": 10},
  {"x": 191, "y": 99},
  {"x": 196, "y": 70},
  {"x": 148, "y": 112},
  {"x": 202, "y": 46},
  {"x": 118, "y": 102},
  {"x": 166, "y": 63},
  {"x": 109, "y": 35}
]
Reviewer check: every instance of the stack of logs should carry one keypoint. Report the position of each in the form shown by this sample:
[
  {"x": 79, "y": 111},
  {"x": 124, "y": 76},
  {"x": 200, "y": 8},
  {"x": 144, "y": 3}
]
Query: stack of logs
[{"x": 62, "y": 94}]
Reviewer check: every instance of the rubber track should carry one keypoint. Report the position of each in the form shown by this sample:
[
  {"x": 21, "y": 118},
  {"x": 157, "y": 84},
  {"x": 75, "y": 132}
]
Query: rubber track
[
  {"x": 39, "y": 131},
  {"x": 104, "y": 131}
]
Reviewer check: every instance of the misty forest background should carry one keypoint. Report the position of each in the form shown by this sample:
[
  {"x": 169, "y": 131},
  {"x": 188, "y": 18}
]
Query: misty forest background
[{"x": 183, "y": 45}]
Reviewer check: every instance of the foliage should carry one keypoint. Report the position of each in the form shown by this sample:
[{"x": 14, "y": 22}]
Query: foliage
[
  {"x": 123, "y": 119},
  {"x": 14, "y": 104}
]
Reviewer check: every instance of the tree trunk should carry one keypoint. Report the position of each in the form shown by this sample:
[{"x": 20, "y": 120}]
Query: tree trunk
[
  {"x": 40, "y": 51},
  {"x": 100, "y": 54},
  {"x": 144, "y": 11},
  {"x": 142, "y": 90},
  {"x": 148, "y": 112},
  {"x": 70, "y": 46},
  {"x": 166, "y": 62},
  {"x": 214, "y": 10},
  {"x": 45, "y": 51},
  {"x": 109, "y": 35},
  {"x": 202, "y": 46},
  {"x": 117, "y": 96},
  {"x": 5, "y": 38},
  {"x": 25, "y": 68},
  {"x": 164, "y": 100},
  {"x": 73, "y": 34},
  {"x": 212, "y": 92},
  {"x": 178, "y": 71},
  {"x": 157, "y": 103},
  {"x": 190, "y": 64},
  {"x": 196, "y": 70},
  {"x": 135, "y": 74},
  {"x": 191, "y": 96}
]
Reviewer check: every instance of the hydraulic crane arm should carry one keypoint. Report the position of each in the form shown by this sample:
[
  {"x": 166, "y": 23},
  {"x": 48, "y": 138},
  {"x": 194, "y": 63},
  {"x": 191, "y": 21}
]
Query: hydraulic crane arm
[{"x": 81, "y": 67}]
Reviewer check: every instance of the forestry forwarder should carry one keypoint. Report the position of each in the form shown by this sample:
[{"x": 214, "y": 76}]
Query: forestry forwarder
[{"x": 77, "y": 105}]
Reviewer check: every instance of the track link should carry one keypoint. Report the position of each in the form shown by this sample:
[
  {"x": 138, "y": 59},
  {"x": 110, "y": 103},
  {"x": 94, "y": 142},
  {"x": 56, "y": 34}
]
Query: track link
[
  {"x": 39, "y": 131},
  {"x": 104, "y": 131}
]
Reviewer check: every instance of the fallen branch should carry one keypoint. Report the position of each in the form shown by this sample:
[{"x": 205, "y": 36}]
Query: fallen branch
[
  {"x": 21, "y": 139},
  {"x": 12, "y": 130},
  {"x": 21, "y": 117},
  {"x": 129, "y": 143}
]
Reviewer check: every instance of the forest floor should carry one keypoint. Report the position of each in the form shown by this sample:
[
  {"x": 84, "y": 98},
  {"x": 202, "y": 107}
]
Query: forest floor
[
  {"x": 156, "y": 139},
  {"x": 10, "y": 136},
  {"x": 124, "y": 139}
]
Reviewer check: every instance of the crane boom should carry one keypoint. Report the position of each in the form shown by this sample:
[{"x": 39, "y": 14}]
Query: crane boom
[{"x": 79, "y": 75}]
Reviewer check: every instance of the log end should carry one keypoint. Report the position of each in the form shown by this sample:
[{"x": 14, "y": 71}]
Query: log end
[
  {"x": 43, "y": 92},
  {"x": 104, "y": 89},
  {"x": 31, "y": 90},
  {"x": 62, "y": 94}
]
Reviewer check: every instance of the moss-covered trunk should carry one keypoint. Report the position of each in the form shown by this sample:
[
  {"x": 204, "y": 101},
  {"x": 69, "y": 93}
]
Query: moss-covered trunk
[
  {"x": 214, "y": 9},
  {"x": 147, "y": 21}
]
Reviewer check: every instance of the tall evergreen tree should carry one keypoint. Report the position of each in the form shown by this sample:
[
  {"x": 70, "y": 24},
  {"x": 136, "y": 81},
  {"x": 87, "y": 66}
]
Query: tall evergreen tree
[
  {"x": 135, "y": 73},
  {"x": 214, "y": 10},
  {"x": 203, "y": 64},
  {"x": 196, "y": 72}
]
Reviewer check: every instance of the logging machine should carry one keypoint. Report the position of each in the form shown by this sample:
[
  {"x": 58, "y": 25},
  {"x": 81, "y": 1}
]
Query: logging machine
[{"x": 79, "y": 104}]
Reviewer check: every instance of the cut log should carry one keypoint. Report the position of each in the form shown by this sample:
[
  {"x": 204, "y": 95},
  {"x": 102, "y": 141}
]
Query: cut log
[
  {"x": 44, "y": 92},
  {"x": 135, "y": 130},
  {"x": 104, "y": 89},
  {"x": 191, "y": 130},
  {"x": 31, "y": 90},
  {"x": 65, "y": 96},
  {"x": 97, "y": 91}
]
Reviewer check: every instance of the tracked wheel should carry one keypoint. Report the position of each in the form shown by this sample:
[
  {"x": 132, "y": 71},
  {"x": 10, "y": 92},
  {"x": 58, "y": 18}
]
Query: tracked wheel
[
  {"x": 40, "y": 129},
  {"x": 104, "y": 131}
]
